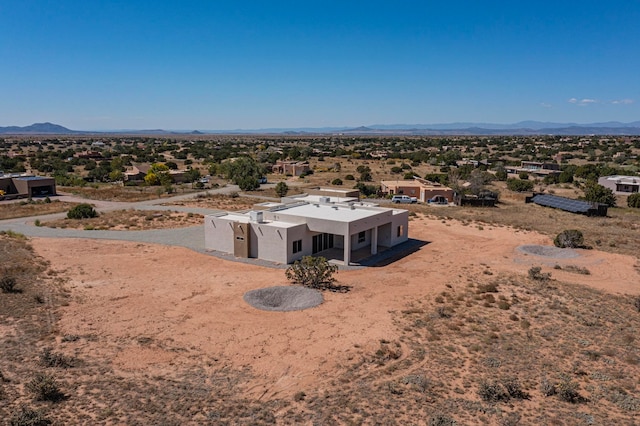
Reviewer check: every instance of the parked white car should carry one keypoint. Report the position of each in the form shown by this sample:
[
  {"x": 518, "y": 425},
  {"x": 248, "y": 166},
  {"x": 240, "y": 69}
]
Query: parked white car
[{"x": 403, "y": 199}]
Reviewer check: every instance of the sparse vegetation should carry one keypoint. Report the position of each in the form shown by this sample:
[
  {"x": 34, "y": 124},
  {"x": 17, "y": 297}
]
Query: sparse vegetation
[
  {"x": 29, "y": 417},
  {"x": 570, "y": 238},
  {"x": 44, "y": 387},
  {"x": 8, "y": 284},
  {"x": 536, "y": 274},
  {"x": 314, "y": 272},
  {"x": 82, "y": 211}
]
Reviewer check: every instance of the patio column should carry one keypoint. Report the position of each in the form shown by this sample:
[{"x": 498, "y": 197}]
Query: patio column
[
  {"x": 347, "y": 249},
  {"x": 374, "y": 240}
]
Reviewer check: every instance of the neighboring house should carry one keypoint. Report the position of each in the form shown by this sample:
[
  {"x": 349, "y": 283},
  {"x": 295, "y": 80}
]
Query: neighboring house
[
  {"x": 26, "y": 185},
  {"x": 284, "y": 233},
  {"x": 537, "y": 168},
  {"x": 293, "y": 168},
  {"x": 420, "y": 188},
  {"x": 139, "y": 171},
  {"x": 621, "y": 185}
]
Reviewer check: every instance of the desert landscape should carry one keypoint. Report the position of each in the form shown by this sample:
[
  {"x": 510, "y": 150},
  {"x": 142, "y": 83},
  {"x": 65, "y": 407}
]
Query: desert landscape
[{"x": 460, "y": 330}]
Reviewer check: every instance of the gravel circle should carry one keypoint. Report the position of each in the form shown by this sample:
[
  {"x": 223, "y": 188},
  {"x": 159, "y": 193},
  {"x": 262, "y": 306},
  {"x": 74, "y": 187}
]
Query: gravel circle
[
  {"x": 548, "y": 251},
  {"x": 283, "y": 298}
]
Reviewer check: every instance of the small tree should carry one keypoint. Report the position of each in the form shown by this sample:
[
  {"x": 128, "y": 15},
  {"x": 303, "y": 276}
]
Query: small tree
[
  {"x": 634, "y": 200},
  {"x": 570, "y": 238},
  {"x": 313, "y": 272},
  {"x": 599, "y": 194},
  {"x": 519, "y": 185},
  {"x": 336, "y": 181},
  {"x": 281, "y": 189},
  {"x": 82, "y": 211}
]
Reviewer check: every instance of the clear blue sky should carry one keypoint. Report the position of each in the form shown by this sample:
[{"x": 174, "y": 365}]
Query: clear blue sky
[{"x": 100, "y": 65}]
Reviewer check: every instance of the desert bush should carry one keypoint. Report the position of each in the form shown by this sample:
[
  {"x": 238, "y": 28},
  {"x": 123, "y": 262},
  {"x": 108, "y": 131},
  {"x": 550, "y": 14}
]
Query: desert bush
[
  {"x": 313, "y": 272},
  {"x": 634, "y": 200},
  {"x": 535, "y": 273},
  {"x": 82, "y": 211},
  {"x": 568, "y": 391},
  {"x": 514, "y": 389},
  {"x": 547, "y": 388},
  {"x": 336, "y": 181},
  {"x": 48, "y": 358},
  {"x": 441, "y": 420},
  {"x": 8, "y": 284},
  {"x": 44, "y": 387},
  {"x": 569, "y": 238},
  {"x": 487, "y": 288},
  {"x": 29, "y": 417},
  {"x": 636, "y": 303},
  {"x": 492, "y": 392}
]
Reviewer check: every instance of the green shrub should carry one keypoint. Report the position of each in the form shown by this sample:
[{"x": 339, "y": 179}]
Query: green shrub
[
  {"x": 313, "y": 272},
  {"x": 634, "y": 200},
  {"x": 599, "y": 194},
  {"x": 82, "y": 211},
  {"x": 281, "y": 189},
  {"x": 336, "y": 181},
  {"x": 569, "y": 238},
  {"x": 519, "y": 185}
]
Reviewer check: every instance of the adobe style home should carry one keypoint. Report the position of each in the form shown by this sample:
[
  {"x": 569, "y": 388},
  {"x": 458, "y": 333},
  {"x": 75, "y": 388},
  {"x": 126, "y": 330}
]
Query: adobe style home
[
  {"x": 293, "y": 168},
  {"x": 341, "y": 231},
  {"x": 25, "y": 186},
  {"x": 621, "y": 185},
  {"x": 420, "y": 188}
]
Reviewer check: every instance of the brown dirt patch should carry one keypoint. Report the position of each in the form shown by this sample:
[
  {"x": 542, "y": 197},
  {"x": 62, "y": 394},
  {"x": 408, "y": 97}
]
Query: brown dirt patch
[
  {"x": 130, "y": 220},
  {"x": 109, "y": 192},
  {"x": 219, "y": 202},
  {"x": 169, "y": 339},
  {"x": 32, "y": 208}
]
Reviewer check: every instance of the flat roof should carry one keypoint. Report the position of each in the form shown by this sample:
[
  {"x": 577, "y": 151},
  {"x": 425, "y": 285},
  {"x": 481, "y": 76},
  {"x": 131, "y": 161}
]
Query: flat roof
[
  {"x": 632, "y": 179},
  {"x": 333, "y": 212},
  {"x": 316, "y": 198},
  {"x": 245, "y": 218},
  {"x": 32, "y": 178}
]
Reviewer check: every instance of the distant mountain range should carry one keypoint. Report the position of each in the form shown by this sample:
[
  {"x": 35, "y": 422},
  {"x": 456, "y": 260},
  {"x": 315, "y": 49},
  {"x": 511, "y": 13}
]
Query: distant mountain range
[{"x": 450, "y": 129}]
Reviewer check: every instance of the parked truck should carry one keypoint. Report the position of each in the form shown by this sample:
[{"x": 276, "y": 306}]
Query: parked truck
[{"x": 403, "y": 199}]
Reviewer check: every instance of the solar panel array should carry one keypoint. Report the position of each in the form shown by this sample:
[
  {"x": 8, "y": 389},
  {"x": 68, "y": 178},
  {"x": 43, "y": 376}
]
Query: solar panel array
[{"x": 567, "y": 204}]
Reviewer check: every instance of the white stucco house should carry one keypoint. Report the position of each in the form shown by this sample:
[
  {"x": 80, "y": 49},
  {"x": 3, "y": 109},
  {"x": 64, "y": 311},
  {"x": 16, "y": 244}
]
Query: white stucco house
[
  {"x": 621, "y": 184},
  {"x": 285, "y": 232}
]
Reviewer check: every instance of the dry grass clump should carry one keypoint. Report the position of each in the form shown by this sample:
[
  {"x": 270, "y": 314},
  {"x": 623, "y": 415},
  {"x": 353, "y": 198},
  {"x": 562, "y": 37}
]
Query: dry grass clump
[
  {"x": 556, "y": 345},
  {"x": 109, "y": 192},
  {"x": 32, "y": 208},
  {"x": 231, "y": 202},
  {"x": 130, "y": 220},
  {"x": 619, "y": 232}
]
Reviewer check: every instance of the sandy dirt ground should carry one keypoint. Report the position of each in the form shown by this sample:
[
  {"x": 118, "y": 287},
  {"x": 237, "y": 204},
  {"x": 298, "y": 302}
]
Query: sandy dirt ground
[{"x": 154, "y": 308}]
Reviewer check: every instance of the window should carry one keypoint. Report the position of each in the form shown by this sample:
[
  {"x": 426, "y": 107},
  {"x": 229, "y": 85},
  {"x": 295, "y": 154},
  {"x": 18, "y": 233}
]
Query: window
[
  {"x": 321, "y": 242},
  {"x": 361, "y": 237},
  {"x": 297, "y": 246},
  {"x": 400, "y": 231}
]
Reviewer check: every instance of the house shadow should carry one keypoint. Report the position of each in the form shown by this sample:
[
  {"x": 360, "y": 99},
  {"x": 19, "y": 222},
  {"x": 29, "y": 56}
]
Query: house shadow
[{"x": 392, "y": 254}]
